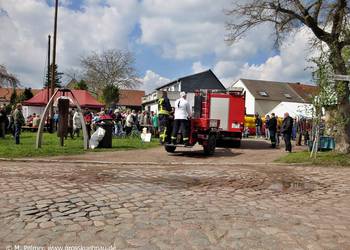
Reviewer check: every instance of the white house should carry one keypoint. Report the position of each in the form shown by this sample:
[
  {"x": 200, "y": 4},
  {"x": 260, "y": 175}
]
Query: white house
[
  {"x": 188, "y": 84},
  {"x": 150, "y": 101},
  {"x": 264, "y": 96}
]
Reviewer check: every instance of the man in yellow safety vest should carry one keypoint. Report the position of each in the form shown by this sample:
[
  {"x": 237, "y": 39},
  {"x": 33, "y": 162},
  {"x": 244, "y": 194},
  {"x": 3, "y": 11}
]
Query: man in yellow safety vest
[{"x": 164, "y": 109}]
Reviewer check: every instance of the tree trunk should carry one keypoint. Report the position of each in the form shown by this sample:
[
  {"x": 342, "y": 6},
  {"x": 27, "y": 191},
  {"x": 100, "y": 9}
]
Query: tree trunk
[
  {"x": 343, "y": 92},
  {"x": 343, "y": 138}
]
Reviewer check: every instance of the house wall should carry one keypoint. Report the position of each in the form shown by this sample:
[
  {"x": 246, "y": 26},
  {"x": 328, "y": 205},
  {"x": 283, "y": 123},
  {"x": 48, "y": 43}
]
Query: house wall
[
  {"x": 262, "y": 107},
  {"x": 154, "y": 108},
  {"x": 190, "y": 99},
  {"x": 173, "y": 87},
  {"x": 151, "y": 107},
  {"x": 249, "y": 98},
  {"x": 150, "y": 101},
  {"x": 123, "y": 107},
  {"x": 4, "y": 102},
  {"x": 173, "y": 96},
  {"x": 29, "y": 110}
]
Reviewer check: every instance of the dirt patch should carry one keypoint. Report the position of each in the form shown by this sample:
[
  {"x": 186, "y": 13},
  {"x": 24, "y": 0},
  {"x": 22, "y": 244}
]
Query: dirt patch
[
  {"x": 280, "y": 180},
  {"x": 251, "y": 151},
  {"x": 277, "y": 182}
]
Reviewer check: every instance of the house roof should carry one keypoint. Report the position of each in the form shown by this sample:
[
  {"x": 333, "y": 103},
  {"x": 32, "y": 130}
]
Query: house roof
[
  {"x": 71, "y": 84},
  {"x": 84, "y": 98},
  {"x": 203, "y": 80},
  {"x": 5, "y": 93},
  {"x": 130, "y": 97},
  {"x": 305, "y": 91},
  {"x": 273, "y": 91}
]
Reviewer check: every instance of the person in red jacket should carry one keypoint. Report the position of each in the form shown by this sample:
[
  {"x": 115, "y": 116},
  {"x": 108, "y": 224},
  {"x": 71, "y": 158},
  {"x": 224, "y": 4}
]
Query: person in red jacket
[{"x": 88, "y": 121}]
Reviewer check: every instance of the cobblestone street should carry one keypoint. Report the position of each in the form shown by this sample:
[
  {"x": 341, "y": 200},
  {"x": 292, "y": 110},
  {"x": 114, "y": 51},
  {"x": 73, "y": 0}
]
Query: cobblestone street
[
  {"x": 186, "y": 202},
  {"x": 153, "y": 206},
  {"x": 174, "y": 125}
]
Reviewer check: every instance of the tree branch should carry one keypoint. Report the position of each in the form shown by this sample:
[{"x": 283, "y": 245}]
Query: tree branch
[
  {"x": 7, "y": 79},
  {"x": 318, "y": 5},
  {"x": 339, "y": 13},
  {"x": 111, "y": 67}
]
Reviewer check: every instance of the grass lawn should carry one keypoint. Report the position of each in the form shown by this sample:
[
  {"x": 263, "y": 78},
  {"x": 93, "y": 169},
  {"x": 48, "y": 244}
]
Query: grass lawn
[
  {"x": 329, "y": 158},
  {"x": 51, "y": 147}
]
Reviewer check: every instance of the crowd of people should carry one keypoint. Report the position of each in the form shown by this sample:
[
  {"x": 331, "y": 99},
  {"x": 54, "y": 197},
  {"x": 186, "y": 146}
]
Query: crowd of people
[
  {"x": 123, "y": 122},
  {"x": 12, "y": 123},
  {"x": 164, "y": 125},
  {"x": 296, "y": 129}
]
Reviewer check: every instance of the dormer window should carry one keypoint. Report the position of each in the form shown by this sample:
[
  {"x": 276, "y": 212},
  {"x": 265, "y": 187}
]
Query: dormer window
[{"x": 263, "y": 93}]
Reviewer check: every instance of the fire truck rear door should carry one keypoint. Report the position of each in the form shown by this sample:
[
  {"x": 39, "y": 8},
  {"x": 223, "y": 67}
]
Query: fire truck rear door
[{"x": 219, "y": 109}]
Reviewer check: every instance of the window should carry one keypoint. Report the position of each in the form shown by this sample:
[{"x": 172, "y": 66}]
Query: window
[
  {"x": 288, "y": 96},
  {"x": 263, "y": 93}
]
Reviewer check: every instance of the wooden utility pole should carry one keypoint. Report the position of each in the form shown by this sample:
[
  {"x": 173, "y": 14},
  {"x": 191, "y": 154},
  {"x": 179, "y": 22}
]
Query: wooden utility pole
[
  {"x": 48, "y": 68},
  {"x": 53, "y": 72}
]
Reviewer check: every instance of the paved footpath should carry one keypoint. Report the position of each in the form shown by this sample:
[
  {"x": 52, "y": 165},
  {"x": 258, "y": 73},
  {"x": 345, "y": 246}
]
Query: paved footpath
[{"x": 184, "y": 206}]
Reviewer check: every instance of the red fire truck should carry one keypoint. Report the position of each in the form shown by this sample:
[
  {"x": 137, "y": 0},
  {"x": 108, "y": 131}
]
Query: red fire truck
[
  {"x": 218, "y": 120},
  {"x": 229, "y": 108}
]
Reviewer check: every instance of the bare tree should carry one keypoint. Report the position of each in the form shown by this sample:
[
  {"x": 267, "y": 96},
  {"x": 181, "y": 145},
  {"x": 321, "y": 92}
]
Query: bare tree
[
  {"x": 72, "y": 74},
  {"x": 328, "y": 20},
  {"x": 111, "y": 67},
  {"x": 7, "y": 79}
]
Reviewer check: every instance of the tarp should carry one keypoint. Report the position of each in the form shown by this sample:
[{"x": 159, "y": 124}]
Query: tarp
[
  {"x": 295, "y": 109},
  {"x": 84, "y": 98}
]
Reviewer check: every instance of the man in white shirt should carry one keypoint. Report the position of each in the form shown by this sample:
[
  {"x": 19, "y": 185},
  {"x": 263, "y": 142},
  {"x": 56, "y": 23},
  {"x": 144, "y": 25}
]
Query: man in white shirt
[
  {"x": 181, "y": 116},
  {"x": 129, "y": 122},
  {"x": 77, "y": 123}
]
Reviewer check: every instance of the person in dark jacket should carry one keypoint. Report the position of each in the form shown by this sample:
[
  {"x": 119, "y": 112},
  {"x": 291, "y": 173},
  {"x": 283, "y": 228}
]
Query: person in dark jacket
[
  {"x": 19, "y": 121},
  {"x": 258, "y": 124},
  {"x": 3, "y": 121},
  {"x": 70, "y": 124},
  {"x": 286, "y": 130},
  {"x": 267, "y": 124},
  {"x": 272, "y": 130}
]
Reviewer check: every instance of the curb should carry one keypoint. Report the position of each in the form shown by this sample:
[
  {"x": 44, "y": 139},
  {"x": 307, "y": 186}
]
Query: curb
[{"x": 150, "y": 163}]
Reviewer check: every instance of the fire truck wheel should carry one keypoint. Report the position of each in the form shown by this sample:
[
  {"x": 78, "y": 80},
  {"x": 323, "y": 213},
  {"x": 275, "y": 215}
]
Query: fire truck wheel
[
  {"x": 209, "y": 149},
  {"x": 170, "y": 149}
]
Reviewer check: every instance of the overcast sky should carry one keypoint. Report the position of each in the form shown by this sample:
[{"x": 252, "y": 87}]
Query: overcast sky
[{"x": 170, "y": 39}]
